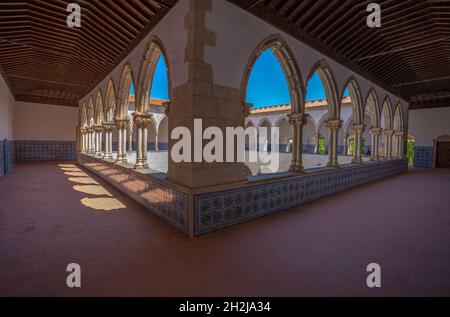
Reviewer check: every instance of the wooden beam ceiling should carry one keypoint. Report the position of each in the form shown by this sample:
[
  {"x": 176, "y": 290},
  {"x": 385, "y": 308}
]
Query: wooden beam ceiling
[
  {"x": 45, "y": 61},
  {"x": 409, "y": 55}
]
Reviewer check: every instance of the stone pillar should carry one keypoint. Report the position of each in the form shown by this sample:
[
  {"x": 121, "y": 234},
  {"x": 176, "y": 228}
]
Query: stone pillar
[
  {"x": 333, "y": 126},
  {"x": 399, "y": 138},
  {"x": 375, "y": 133},
  {"x": 91, "y": 139},
  {"x": 142, "y": 120},
  {"x": 130, "y": 137},
  {"x": 297, "y": 121},
  {"x": 108, "y": 127},
  {"x": 200, "y": 97},
  {"x": 83, "y": 134},
  {"x": 317, "y": 143},
  {"x": 156, "y": 142},
  {"x": 98, "y": 130},
  {"x": 389, "y": 134},
  {"x": 122, "y": 140},
  {"x": 358, "y": 129},
  {"x": 346, "y": 146}
]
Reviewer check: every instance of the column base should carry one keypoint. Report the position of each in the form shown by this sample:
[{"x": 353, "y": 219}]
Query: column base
[
  {"x": 108, "y": 156},
  {"x": 121, "y": 159},
  {"x": 297, "y": 169},
  {"x": 357, "y": 162},
  {"x": 141, "y": 165},
  {"x": 333, "y": 164},
  {"x": 99, "y": 154}
]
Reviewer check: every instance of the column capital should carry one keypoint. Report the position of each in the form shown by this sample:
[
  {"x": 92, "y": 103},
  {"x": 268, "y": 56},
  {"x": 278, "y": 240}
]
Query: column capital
[
  {"x": 333, "y": 124},
  {"x": 388, "y": 132},
  {"x": 375, "y": 131},
  {"x": 108, "y": 126},
  {"x": 358, "y": 128},
  {"x": 90, "y": 129},
  {"x": 122, "y": 123},
  {"x": 399, "y": 133},
  {"x": 98, "y": 128},
  {"x": 83, "y": 130},
  {"x": 142, "y": 120},
  {"x": 298, "y": 119}
]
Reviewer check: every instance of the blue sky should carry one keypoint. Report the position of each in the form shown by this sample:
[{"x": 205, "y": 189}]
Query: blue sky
[
  {"x": 160, "y": 86},
  {"x": 267, "y": 84}
]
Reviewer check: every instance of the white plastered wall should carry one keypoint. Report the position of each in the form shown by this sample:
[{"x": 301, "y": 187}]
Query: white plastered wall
[
  {"x": 6, "y": 111},
  {"x": 425, "y": 125}
]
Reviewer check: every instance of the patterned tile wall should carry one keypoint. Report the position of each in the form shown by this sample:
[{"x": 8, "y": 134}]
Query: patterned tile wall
[
  {"x": 2, "y": 158},
  {"x": 423, "y": 156},
  {"x": 166, "y": 202},
  {"x": 217, "y": 210},
  {"x": 45, "y": 150}
]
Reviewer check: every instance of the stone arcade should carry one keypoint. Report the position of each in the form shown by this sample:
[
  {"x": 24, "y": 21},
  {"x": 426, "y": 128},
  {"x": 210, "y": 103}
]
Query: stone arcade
[{"x": 208, "y": 76}]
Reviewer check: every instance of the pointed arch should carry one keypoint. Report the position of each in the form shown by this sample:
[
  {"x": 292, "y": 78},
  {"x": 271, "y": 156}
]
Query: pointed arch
[
  {"x": 90, "y": 112},
  {"x": 398, "y": 118},
  {"x": 126, "y": 79},
  {"x": 154, "y": 51},
  {"x": 372, "y": 107},
  {"x": 109, "y": 105},
  {"x": 98, "y": 108},
  {"x": 329, "y": 83},
  {"x": 262, "y": 121},
  {"x": 355, "y": 94},
  {"x": 387, "y": 113},
  {"x": 83, "y": 118},
  {"x": 281, "y": 119},
  {"x": 289, "y": 66}
]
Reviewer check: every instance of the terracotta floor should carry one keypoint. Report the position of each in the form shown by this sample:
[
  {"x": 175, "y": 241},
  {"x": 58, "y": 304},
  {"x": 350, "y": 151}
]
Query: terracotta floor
[{"x": 322, "y": 248}]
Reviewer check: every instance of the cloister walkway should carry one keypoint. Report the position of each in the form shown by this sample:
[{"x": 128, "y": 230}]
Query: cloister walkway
[{"x": 53, "y": 214}]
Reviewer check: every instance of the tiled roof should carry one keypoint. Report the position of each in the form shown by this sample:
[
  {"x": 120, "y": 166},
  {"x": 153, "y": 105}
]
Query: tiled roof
[
  {"x": 308, "y": 105},
  {"x": 152, "y": 101}
]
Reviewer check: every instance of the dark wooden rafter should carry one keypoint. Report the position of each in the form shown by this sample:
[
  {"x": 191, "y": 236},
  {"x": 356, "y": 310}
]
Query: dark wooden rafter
[
  {"x": 43, "y": 60},
  {"x": 409, "y": 55}
]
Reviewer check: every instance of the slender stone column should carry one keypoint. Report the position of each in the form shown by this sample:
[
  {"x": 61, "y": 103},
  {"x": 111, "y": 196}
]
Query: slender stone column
[
  {"x": 98, "y": 130},
  {"x": 91, "y": 138},
  {"x": 317, "y": 143},
  {"x": 389, "y": 134},
  {"x": 346, "y": 146},
  {"x": 399, "y": 137},
  {"x": 297, "y": 121},
  {"x": 83, "y": 133},
  {"x": 130, "y": 136},
  {"x": 142, "y": 120},
  {"x": 108, "y": 127},
  {"x": 358, "y": 129},
  {"x": 156, "y": 142},
  {"x": 333, "y": 126},
  {"x": 375, "y": 133},
  {"x": 122, "y": 140}
]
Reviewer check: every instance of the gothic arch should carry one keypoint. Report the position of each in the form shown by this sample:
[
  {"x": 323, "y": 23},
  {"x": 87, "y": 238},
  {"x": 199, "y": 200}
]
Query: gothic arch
[
  {"x": 98, "y": 110},
  {"x": 373, "y": 107},
  {"x": 90, "y": 112},
  {"x": 289, "y": 66},
  {"x": 154, "y": 51},
  {"x": 126, "y": 79},
  {"x": 262, "y": 121},
  {"x": 355, "y": 94},
  {"x": 109, "y": 105},
  {"x": 329, "y": 83},
  {"x": 83, "y": 120},
  {"x": 398, "y": 119},
  {"x": 387, "y": 113}
]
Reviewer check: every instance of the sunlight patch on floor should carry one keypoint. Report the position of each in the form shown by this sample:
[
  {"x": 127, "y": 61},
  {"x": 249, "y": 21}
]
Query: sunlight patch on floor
[
  {"x": 91, "y": 187},
  {"x": 106, "y": 204}
]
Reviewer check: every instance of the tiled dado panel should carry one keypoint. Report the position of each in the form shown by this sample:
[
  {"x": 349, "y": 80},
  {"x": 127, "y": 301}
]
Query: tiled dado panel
[
  {"x": 6, "y": 156},
  {"x": 166, "y": 202},
  {"x": 45, "y": 150},
  {"x": 423, "y": 156},
  {"x": 218, "y": 210}
]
